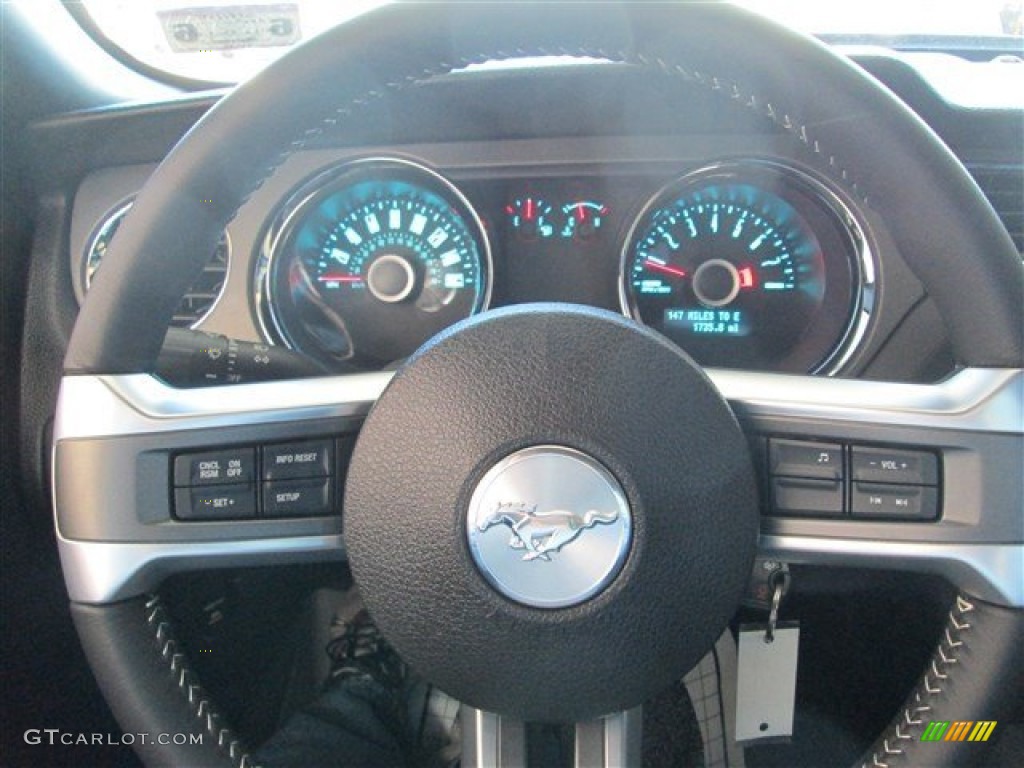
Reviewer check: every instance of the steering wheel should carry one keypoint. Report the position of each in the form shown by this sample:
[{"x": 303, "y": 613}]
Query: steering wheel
[{"x": 546, "y": 391}]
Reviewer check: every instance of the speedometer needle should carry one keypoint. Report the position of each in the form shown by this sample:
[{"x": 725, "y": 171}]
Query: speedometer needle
[{"x": 674, "y": 271}]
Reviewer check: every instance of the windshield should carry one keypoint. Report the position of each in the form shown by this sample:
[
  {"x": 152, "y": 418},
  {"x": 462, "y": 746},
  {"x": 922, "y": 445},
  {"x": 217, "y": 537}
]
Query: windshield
[{"x": 225, "y": 41}]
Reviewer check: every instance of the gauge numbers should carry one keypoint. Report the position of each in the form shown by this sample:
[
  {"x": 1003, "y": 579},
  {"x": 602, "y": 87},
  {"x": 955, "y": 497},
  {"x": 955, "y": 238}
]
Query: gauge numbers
[
  {"x": 748, "y": 267},
  {"x": 376, "y": 259},
  {"x": 403, "y": 244},
  {"x": 708, "y": 260}
]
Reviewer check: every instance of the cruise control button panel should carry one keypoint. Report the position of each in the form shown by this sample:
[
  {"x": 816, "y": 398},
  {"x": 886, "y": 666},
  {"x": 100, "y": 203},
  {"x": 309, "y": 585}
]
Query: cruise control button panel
[
  {"x": 815, "y": 478},
  {"x": 278, "y": 480}
]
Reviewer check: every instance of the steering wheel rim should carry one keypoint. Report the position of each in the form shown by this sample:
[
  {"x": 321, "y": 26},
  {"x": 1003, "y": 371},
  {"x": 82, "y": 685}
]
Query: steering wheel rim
[{"x": 846, "y": 125}]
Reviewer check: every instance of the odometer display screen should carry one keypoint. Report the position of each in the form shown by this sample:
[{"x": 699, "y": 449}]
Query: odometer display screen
[{"x": 711, "y": 322}]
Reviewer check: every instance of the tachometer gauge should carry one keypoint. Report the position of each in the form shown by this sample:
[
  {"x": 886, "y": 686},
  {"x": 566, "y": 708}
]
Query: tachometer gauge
[
  {"x": 748, "y": 265},
  {"x": 376, "y": 259}
]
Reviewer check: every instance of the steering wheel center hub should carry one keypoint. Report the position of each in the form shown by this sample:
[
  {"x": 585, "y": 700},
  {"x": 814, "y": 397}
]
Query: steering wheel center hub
[
  {"x": 549, "y": 526},
  {"x": 555, "y": 483}
]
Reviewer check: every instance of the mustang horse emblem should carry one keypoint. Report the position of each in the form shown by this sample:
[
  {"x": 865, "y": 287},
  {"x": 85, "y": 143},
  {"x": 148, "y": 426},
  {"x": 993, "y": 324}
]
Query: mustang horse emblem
[{"x": 541, "y": 533}]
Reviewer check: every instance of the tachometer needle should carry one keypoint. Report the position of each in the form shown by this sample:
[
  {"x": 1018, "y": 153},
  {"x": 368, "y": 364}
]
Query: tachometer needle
[{"x": 674, "y": 271}]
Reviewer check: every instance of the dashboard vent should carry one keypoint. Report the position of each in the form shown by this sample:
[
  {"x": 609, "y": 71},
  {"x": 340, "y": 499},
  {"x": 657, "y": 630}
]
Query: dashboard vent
[
  {"x": 204, "y": 292},
  {"x": 1003, "y": 185}
]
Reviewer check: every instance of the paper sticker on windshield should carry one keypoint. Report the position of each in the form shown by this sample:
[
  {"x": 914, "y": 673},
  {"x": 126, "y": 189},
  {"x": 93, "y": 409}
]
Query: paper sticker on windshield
[{"x": 191, "y": 30}]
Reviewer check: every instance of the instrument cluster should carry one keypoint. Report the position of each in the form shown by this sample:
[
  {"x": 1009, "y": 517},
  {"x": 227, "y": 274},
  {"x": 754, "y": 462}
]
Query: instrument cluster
[
  {"x": 753, "y": 264},
  {"x": 746, "y": 264}
]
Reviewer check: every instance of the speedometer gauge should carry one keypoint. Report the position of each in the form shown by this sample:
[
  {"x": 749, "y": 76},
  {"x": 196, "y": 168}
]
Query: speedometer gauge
[
  {"x": 750, "y": 266},
  {"x": 377, "y": 258}
]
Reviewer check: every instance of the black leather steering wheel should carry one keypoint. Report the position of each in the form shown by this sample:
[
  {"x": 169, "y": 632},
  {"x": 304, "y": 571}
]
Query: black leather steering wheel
[{"x": 118, "y": 427}]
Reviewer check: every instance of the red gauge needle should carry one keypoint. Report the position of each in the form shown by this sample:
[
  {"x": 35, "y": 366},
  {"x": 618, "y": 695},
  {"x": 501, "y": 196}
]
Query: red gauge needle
[
  {"x": 329, "y": 278},
  {"x": 674, "y": 271},
  {"x": 580, "y": 213},
  {"x": 529, "y": 208}
]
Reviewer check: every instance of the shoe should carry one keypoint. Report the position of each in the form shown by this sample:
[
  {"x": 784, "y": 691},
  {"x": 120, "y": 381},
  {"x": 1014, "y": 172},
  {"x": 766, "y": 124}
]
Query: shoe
[
  {"x": 358, "y": 649},
  {"x": 429, "y": 716}
]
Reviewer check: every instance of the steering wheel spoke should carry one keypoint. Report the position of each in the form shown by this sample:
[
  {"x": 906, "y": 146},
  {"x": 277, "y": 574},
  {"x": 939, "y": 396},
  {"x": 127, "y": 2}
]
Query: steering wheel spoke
[
  {"x": 494, "y": 741},
  {"x": 882, "y": 475},
  {"x": 151, "y": 480},
  {"x": 118, "y": 437}
]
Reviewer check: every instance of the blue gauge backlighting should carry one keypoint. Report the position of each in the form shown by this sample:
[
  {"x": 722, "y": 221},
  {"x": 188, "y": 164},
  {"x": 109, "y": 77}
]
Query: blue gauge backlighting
[
  {"x": 429, "y": 254},
  {"x": 379, "y": 258},
  {"x": 744, "y": 265}
]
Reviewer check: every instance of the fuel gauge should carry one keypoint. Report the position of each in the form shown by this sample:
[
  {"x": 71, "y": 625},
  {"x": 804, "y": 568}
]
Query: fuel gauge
[{"x": 531, "y": 218}]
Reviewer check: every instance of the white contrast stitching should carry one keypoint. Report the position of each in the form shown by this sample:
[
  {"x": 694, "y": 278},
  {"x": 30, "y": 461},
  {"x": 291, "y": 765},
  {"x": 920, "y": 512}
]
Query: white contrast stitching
[
  {"x": 732, "y": 90},
  {"x": 190, "y": 687},
  {"x": 946, "y": 656},
  {"x": 889, "y": 750}
]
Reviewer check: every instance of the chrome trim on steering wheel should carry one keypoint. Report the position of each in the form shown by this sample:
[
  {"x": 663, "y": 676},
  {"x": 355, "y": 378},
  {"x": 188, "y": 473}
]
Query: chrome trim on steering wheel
[
  {"x": 993, "y": 571},
  {"x": 105, "y": 572},
  {"x": 138, "y": 404},
  {"x": 977, "y": 399}
]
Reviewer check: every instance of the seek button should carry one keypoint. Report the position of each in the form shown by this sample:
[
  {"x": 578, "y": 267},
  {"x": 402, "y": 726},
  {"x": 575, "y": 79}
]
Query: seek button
[{"x": 894, "y": 502}]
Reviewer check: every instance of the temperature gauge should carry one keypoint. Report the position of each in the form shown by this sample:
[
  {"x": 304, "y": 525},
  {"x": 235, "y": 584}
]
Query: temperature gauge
[{"x": 583, "y": 219}]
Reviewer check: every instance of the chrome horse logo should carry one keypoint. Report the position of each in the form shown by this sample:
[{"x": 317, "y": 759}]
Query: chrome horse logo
[{"x": 541, "y": 533}]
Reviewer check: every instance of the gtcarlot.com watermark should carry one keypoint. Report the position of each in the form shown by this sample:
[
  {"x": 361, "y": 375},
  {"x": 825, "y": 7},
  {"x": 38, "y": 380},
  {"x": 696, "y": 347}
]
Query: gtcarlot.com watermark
[{"x": 55, "y": 736}]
